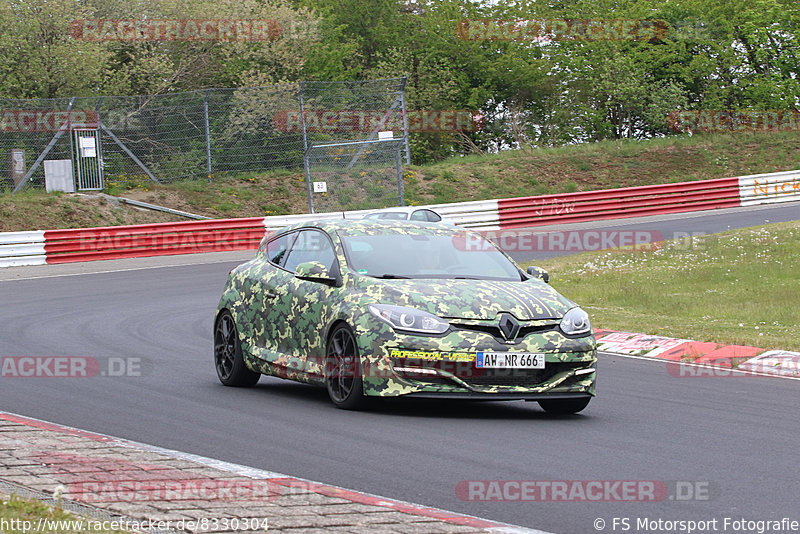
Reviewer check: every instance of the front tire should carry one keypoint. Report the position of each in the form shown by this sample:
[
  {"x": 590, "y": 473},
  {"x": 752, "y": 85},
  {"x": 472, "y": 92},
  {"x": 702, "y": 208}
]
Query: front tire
[
  {"x": 231, "y": 369},
  {"x": 343, "y": 370},
  {"x": 564, "y": 406}
]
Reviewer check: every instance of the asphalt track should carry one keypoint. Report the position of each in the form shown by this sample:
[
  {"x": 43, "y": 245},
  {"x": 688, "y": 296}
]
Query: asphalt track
[
  {"x": 659, "y": 227},
  {"x": 735, "y": 436}
]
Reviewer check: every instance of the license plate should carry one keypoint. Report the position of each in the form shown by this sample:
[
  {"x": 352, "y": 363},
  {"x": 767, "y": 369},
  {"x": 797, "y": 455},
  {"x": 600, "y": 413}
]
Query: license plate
[{"x": 509, "y": 360}]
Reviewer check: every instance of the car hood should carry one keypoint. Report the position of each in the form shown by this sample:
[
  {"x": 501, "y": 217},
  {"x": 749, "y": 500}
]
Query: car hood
[{"x": 471, "y": 299}]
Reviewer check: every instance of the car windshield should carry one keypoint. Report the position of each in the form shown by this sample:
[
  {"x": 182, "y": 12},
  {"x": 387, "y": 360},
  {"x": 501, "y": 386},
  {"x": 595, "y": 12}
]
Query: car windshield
[
  {"x": 402, "y": 255},
  {"x": 394, "y": 215}
]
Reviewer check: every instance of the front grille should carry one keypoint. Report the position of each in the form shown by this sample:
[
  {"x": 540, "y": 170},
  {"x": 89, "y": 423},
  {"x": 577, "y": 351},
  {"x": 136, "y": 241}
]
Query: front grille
[
  {"x": 494, "y": 329},
  {"x": 487, "y": 377},
  {"x": 515, "y": 377}
]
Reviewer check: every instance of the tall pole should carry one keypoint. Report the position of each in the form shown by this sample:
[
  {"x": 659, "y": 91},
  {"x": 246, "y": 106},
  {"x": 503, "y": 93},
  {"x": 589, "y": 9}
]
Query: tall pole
[
  {"x": 208, "y": 135},
  {"x": 305, "y": 150},
  {"x": 400, "y": 185},
  {"x": 405, "y": 119}
]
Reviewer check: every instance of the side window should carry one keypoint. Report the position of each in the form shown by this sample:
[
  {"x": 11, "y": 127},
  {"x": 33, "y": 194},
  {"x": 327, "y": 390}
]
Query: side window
[
  {"x": 277, "y": 248},
  {"x": 419, "y": 215},
  {"x": 311, "y": 245},
  {"x": 425, "y": 215}
]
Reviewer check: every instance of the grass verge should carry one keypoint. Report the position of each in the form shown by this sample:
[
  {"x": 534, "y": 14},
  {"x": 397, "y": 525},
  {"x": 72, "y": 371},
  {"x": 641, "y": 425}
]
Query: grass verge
[
  {"x": 739, "y": 287},
  {"x": 22, "y": 516},
  {"x": 511, "y": 173},
  {"x": 33, "y": 209}
]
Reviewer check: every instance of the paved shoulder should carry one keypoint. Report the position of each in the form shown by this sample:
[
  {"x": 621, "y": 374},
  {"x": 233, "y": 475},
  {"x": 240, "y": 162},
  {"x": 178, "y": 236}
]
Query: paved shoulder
[{"x": 155, "y": 489}]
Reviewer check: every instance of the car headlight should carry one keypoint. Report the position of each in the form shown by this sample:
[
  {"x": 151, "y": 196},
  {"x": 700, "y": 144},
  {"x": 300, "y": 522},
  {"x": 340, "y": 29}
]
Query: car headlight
[
  {"x": 575, "y": 322},
  {"x": 409, "y": 319}
]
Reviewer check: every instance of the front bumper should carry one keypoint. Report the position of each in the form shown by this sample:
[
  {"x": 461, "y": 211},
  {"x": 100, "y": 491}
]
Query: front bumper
[{"x": 444, "y": 367}]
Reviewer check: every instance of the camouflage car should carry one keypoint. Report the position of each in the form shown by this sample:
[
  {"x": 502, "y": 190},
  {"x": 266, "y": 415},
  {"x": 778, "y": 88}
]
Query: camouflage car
[{"x": 371, "y": 308}]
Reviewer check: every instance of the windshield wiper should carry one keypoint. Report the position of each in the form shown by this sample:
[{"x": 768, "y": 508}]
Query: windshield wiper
[{"x": 391, "y": 276}]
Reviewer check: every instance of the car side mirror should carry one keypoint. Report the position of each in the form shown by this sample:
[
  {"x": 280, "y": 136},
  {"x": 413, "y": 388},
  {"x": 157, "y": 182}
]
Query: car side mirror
[
  {"x": 538, "y": 272},
  {"x": 314, "y": 271}
]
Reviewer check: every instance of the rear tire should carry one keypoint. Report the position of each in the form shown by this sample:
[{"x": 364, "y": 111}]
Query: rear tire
[
  {"x": 231, "y": 369},
  {"x": 343, "y": 370},
  {"x": 564, "y": 406}
]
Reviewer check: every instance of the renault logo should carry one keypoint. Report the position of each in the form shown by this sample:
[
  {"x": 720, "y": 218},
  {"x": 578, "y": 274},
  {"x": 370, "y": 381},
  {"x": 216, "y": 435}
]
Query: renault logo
[{"x": 509, "y": 326}]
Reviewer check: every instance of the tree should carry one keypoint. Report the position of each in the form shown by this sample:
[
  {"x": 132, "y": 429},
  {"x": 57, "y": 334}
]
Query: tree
[{"x": 38, "y": 58}]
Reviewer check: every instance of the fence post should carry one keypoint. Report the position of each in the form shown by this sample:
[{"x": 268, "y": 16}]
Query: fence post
[
  {"x": 401, "y": 192},
  {"x": 405, "y": 120},
  {"x": 305, "y": 150},
  {"x": 208, "y": 134},
  {"x": 101, "y": 165}
]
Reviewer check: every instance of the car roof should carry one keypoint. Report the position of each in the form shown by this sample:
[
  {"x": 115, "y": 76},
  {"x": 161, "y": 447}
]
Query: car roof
[
  {"x": 406, "y": 210},
  {"x": 400, "y": 209},
  {"x": 377, "y": 226}
]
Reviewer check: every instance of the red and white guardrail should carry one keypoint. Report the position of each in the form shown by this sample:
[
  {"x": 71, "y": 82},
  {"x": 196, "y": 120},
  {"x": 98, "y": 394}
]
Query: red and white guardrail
[
  {"x": 114, "y": 242},
  {"x": 86, "y": 244},
  {"x": 22, "y": 248}
]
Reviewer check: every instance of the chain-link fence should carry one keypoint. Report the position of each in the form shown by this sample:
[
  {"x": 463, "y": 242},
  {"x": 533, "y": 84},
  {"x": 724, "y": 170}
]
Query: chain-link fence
[
  {"x": 201, "y": 134},
  {"x": 355, "y": 136},
  {"x": 356, "y": 175},
  {"x": 27, "y": 130}
]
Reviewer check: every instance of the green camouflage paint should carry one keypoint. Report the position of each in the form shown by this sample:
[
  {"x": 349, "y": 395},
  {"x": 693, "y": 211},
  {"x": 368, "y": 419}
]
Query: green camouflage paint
[{"x": 283, "y": 322}]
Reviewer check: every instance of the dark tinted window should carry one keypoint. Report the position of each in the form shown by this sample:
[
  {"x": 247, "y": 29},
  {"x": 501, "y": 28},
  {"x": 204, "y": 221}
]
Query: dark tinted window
[
  {"x": 311, "y": 245},
  {"x": 277, "y": 248},
  {"x": 433, "y": 217}
]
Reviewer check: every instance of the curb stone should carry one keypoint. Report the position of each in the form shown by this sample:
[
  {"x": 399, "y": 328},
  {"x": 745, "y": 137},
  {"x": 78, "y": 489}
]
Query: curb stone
[
  {"x": 111, "y": 478},
  {"x": 715, "y": 356}
]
